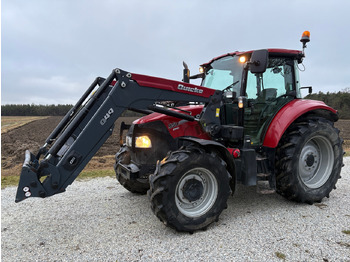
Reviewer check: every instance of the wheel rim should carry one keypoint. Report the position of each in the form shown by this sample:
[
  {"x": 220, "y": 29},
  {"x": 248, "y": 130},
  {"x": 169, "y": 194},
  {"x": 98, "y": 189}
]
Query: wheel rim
[
  {"x": 196, "y": 192},
  {"x": 316, "y": 162}
]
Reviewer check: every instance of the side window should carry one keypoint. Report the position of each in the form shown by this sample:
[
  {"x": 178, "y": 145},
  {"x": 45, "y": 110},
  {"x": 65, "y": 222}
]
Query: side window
[
  {"x": 251, "y": 91},
  {"x": 275, "y": 82}
]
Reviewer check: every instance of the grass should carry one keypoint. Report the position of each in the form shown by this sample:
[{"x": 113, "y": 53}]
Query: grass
[
  {"x": 90, "y": 174},
  {"x": 10, "y": 122},
  {"x": 346, "y": 232},
  {"x": 7, "y": 181},
  {"x": 280, "y": 255},
  {"x": 99, "y": 166}
]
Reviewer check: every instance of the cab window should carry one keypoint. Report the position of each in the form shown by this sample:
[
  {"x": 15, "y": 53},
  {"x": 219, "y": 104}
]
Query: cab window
[{"x": 266, "y": 94}]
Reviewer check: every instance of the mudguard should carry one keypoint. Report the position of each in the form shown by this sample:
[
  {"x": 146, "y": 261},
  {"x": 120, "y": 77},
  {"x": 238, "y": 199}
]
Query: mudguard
[
  {"x": 224, "y": 153},
  {"x": 290, "y": 112}
]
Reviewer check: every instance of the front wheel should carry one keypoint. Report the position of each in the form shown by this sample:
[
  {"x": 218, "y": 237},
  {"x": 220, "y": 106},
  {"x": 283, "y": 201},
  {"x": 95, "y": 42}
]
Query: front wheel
[
  {"x": 189, "y": 189},
  {"x": 309, "y": 160}
]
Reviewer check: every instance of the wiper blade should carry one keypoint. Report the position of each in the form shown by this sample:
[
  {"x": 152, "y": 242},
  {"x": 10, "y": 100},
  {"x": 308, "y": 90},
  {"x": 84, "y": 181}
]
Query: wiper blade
[{"x": 232, "y": 85}]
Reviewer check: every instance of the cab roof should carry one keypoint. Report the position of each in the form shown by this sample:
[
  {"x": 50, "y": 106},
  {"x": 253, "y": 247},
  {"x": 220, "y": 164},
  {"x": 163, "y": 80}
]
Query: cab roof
[{"x": 274, "y": 51}]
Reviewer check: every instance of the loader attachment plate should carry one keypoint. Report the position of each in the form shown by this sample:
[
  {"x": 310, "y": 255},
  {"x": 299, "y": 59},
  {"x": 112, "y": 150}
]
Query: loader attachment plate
[{"x": 29, "y": 183}]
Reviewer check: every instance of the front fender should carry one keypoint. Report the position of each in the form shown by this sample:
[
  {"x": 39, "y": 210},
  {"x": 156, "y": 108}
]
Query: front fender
[
  {"x": 290, "y": 112},
  {"x": 222, "y": 150}
]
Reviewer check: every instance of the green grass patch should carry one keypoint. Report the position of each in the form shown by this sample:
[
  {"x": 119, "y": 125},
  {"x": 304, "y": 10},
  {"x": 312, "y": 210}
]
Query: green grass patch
[
  {"x": 7, "y": 181},
  {"x": 96, "y": 173},
  {"x": 280, "y": 255},
  {"x": 346, "y": 232}
]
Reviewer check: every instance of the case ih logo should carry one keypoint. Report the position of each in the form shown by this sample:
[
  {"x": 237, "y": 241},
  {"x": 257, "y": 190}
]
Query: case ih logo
[{"x": 190, "y": 89}]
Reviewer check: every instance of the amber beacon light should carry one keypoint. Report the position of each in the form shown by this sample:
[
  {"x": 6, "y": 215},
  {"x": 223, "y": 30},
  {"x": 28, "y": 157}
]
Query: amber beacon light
[{"x": 305, "y": 37}]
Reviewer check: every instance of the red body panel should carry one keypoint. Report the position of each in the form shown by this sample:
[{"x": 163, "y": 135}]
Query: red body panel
[
  {"x": 178, "y": 127},
  {"x": 286, "y": 116},
  {"x": 172, "y": 85}
]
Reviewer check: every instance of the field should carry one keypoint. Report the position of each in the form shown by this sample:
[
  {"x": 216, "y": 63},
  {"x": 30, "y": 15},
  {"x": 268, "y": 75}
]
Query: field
[
  {"x": 30, "y": 133},
  {"x": 11, "y": 122},
  {"x": 32, "y": 136}
]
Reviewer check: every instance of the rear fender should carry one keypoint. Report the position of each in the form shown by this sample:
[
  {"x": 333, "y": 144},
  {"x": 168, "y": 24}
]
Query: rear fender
[{"x": 292, "y": 111}]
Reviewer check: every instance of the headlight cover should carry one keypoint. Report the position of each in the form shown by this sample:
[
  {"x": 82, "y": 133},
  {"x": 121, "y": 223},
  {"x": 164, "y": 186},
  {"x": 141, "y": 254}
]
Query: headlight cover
[{"x": 143, "y": 142}]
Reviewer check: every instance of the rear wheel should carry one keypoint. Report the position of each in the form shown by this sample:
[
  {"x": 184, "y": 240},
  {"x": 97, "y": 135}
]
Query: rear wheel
[
  {"x": 309, "y": 160},
  {"x": 189, "y": 189},
  {"x": 140, "y": 185}
]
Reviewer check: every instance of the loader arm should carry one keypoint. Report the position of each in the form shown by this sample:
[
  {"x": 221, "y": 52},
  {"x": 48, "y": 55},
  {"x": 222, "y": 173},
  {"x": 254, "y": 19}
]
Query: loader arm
[{"x": 87, "y": 126}]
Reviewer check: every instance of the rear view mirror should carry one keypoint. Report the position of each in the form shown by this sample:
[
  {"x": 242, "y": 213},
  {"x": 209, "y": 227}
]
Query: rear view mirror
[
  {"x": 258, "y": 61},
  {"x": 186, "y": 73}
]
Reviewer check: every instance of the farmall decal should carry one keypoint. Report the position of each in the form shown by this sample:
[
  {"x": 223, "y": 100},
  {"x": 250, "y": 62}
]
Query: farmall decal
[{"x": 190, "y": 89}]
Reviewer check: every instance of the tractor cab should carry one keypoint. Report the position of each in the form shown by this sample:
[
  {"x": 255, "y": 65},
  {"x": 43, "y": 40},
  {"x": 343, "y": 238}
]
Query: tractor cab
[{"x": 255, "y": 90}]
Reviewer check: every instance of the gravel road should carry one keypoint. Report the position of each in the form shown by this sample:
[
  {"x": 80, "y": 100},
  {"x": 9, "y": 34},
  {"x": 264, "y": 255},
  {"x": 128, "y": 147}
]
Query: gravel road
[{"x": 98, "y": 220}]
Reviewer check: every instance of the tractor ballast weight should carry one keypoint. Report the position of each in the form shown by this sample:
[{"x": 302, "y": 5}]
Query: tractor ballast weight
[{"x": 246, "y": 123}]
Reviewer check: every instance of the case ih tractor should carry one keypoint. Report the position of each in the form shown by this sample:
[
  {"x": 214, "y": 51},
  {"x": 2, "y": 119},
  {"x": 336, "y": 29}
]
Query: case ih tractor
[{"x": 246, "y": 123}]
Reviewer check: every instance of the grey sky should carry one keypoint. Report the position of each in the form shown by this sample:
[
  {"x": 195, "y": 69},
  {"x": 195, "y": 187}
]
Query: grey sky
[{"x": 53, "y": 50}]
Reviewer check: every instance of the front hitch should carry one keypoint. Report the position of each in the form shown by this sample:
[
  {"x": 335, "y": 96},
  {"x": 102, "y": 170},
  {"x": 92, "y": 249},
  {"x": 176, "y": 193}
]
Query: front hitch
[{"x": 29, "y": 184}]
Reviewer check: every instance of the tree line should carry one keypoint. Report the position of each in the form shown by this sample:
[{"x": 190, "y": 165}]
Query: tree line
[
  {"x": 340, "y": 101},
  {"x": 34, "y": 110}
]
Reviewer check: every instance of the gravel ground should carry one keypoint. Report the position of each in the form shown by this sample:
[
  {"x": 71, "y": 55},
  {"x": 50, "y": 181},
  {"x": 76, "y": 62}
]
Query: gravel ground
[{"x": 98, "y": 220}]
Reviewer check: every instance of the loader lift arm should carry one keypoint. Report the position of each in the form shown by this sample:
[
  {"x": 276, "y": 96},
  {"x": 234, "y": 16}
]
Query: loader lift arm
[{"x": 87, "y": 126}]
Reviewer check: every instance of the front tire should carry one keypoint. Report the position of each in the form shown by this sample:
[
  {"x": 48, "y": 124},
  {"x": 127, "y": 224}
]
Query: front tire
[
  {"x": 309, "y": 160},
  {"x": 189, "y": 189}
]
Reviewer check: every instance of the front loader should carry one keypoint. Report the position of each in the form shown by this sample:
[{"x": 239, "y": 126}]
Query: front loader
[
  {"x": 88, "y": 125},
  {"x": 246, "y": 123}
]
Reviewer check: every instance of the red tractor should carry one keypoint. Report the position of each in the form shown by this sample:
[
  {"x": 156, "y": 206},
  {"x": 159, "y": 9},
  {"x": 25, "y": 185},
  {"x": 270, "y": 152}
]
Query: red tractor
[{"x": 246, "y": 123}]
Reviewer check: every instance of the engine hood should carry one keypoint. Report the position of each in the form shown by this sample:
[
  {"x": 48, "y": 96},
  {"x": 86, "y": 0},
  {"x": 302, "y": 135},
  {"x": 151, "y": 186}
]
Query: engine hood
[{"x": 192, "y": 110}]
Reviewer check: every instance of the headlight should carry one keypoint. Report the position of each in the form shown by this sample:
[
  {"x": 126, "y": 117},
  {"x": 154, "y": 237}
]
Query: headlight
[{"x": 143, "y": 142}]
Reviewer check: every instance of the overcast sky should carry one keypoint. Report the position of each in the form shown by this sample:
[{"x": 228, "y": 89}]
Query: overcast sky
[{"x": 52, "y": 50}]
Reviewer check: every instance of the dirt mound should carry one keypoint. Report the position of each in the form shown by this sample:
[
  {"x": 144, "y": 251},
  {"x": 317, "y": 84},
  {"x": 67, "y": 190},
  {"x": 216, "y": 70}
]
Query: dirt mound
[{"x": 33, "y": 135}]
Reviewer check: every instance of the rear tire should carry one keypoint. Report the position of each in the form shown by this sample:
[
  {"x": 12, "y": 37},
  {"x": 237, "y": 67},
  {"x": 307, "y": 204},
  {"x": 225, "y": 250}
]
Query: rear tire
[
  {"x": 189, "y": 189},
  {"x": 309, "y": 160},
  {"x": 138, "y": 186}
]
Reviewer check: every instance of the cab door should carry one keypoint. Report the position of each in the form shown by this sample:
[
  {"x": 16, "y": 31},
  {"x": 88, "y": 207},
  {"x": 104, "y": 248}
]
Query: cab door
[{"x": 267, "y": 93}]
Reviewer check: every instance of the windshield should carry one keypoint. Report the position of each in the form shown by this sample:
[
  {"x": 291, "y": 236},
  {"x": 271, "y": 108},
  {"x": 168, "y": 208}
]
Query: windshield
[{"x": 223, "y": 73}]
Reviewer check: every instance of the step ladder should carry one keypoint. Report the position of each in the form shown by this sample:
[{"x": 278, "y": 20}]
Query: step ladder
[{"x": 264, "y": 183}]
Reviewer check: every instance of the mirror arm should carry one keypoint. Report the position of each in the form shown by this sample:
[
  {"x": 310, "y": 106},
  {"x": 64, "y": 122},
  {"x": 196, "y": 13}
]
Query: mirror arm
[
  {"x": 307, "y": 87},
  {"x": 197, "y": 76}
]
